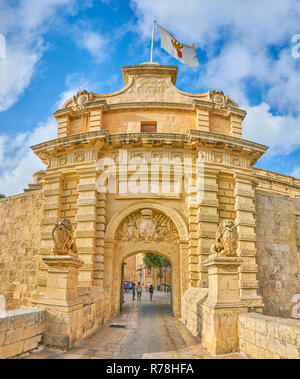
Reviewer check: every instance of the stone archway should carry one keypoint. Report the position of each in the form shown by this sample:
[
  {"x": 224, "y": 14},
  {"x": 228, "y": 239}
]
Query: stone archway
[
  {"x": 147, "y": 226},
  {"x": 176, "y": 301}
]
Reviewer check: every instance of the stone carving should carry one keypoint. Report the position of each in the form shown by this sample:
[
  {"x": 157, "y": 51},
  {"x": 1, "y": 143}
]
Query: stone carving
[
  {"x": 226, "y": 240},
  {"x": 82, "y": 98},
  {"x": 218, "y": 98},
  {"x": 62, "y": 235},
  {"x": 147, "y": 225}
]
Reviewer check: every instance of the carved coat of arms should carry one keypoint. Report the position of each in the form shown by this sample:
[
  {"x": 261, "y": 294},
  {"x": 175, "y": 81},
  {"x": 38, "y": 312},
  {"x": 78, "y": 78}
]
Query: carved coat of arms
[{"x": 147, "y": 226}]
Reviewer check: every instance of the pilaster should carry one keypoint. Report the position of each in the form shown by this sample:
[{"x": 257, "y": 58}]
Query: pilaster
[
  {"x": 202, "y": 119},
  {"x": 245, "y": 223},
  {"x": 53, "y": 190},
  {"x": 207, "y": 218},
  {"x": 86, "y": 224},
  {"x": 98, "y": 275},
  {"x": 63, "y": 125},
  {"x": 192, "y": 246},
  {"x": 236, "y": 125},
  {"x": 109, "y": 248},
  {"x": 95, "y": 118}
]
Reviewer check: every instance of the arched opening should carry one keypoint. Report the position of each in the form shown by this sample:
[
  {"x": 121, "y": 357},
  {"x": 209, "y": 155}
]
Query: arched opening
[
  {"x": 142, "y": 270},
  {"x": 146, "y": 227}
]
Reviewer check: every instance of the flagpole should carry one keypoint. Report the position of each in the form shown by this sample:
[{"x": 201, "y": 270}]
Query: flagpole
[{"x": 151, "y": 54}]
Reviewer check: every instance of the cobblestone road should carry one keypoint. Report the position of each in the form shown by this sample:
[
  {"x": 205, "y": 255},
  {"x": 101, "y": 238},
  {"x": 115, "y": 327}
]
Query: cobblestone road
[{"x": 150, "y": 332}]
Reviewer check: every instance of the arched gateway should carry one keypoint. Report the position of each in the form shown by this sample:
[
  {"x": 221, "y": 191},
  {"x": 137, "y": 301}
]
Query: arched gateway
[
  {"x": 146, "y": 226},
  {"x": 150, "y": 168}
]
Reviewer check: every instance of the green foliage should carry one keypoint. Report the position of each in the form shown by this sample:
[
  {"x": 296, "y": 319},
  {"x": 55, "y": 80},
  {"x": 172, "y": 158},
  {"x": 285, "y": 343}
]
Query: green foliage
[
  {"x": 155, "y": 260},
  {"x": 2, "y": 195}
]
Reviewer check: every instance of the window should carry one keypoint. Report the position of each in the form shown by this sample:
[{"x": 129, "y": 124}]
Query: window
[{"x": 149, "y": 127}]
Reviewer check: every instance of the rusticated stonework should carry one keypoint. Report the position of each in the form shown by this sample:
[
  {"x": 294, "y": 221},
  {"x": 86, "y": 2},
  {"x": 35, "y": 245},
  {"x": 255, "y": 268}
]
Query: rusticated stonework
[{"x": 147, "y": 226}]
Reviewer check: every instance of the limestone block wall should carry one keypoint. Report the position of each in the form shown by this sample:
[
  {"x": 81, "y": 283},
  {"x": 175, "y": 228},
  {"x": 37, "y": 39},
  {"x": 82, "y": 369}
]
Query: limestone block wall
[
  {"x": 20, "y": 219},
  {"x": 191, "y": 309},
  {"x": 20, "y": 331},
  {"x": 63, "y": 329},
  {"x": 278, "y": 251},
  {"x": 265, "y": 337},
  {"x": 129, "y": 121}
]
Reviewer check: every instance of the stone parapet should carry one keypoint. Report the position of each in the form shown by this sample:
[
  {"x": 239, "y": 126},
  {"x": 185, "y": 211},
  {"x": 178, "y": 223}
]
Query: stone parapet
[
  {"x": 20, "y": 331},
  {"x": 265, "y": 337}
]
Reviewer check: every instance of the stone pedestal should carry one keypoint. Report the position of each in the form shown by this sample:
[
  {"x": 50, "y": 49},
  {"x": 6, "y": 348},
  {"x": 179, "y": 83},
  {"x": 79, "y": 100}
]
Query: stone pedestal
[
  {"x": 62, "y": 280},
  {"x": 64, "y": 309},
  {"x": 222, "y": 306}
]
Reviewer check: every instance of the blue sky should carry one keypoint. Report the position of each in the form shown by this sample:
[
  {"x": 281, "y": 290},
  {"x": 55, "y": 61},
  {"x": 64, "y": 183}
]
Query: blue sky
[{"x": 55, "y": 48}]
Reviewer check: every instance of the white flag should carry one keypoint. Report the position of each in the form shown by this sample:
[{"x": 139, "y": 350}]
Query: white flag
[{"x": 184, "y": 53}]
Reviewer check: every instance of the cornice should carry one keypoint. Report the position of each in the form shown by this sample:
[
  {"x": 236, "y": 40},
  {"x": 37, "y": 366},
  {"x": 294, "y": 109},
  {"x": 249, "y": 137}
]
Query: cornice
[{"x": 195, "y": 139}]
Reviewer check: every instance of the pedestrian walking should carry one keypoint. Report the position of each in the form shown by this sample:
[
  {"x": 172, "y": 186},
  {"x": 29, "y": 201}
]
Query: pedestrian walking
[
  {"x": 133, "y": 291},
  {"x": 151, "y": 291},
  {"x": 139, "y": 291}
]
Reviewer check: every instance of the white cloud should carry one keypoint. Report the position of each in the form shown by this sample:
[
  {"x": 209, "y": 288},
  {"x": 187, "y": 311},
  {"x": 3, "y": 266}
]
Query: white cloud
[
  {"x": 95, "y": 43},
  {"x": 74, "y": 84},
  {"x": 257, "y": 23},
  {"x": 245, "y": 42},
  {"x": 24, "y": 23},
  {"x": 20, "y": 161},
  {"x": 17, "y": 160},
  {"x": 296, "y": 173},
  {"x": 281, "y": 133}
]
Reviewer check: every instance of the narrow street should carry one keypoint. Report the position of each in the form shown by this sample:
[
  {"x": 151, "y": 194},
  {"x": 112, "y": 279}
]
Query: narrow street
[{"x": 150, "y": 331}]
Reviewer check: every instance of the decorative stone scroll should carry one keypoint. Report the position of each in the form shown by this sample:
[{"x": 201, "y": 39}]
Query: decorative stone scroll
[
  {"x": 220, "y": 100},
  {"x": 81, "y": 99},
  {"x": 147, "y": 225},
  {"x": 226, "y": 240},
  {"x": 62, "y": 235}
]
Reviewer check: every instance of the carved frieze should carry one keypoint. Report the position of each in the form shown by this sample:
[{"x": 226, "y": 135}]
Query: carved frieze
[
  {"x": 147, "y": 225},
  {"x": 73, "y": 158}
]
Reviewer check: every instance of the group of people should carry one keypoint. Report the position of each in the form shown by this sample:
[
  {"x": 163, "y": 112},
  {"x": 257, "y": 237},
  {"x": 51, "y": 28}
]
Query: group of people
[{"x": 138, "y": 290}]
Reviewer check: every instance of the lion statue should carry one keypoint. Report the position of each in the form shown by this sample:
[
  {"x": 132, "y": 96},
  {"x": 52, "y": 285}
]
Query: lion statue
[
  {"x": 62, "y": 235},
  {"x": 226, "y": 240}
]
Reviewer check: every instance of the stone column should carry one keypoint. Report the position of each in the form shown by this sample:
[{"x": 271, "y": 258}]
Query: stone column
[
  {"x": 222, "y": 306},
  {"x": 63, "y": 326},
  {"x": 86, "y": 224},
  {"x": 245, "y": 224}
]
